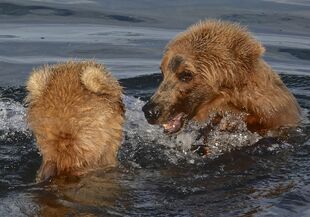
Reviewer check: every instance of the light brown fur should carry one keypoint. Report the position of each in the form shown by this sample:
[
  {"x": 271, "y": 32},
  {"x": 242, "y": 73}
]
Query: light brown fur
[
  {"x": 228, "y": 74},
  {"x": 76, "y": 113}
]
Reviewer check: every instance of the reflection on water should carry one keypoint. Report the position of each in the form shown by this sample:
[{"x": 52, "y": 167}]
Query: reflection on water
[{"x": 158, "y": 175}]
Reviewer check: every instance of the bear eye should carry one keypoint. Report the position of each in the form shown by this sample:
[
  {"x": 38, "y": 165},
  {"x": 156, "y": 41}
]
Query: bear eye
[{"x": 185, "y": 76}]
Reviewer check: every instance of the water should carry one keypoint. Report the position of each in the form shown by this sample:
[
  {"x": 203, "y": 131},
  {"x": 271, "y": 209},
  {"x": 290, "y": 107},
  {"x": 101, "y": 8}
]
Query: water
[{"x": 158, "y": 175}]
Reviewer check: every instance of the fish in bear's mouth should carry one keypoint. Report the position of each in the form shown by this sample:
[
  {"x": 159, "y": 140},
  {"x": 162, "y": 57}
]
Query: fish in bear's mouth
[{"x": 174, "y": 124}]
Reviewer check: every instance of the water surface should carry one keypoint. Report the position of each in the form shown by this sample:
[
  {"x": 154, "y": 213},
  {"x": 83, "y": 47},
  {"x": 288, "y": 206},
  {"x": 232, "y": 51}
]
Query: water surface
[{"x": 158, "y": 175}]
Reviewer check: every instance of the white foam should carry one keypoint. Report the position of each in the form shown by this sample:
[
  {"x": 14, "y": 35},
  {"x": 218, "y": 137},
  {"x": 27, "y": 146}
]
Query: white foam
[
  {"x": 141, "y": 134},
  {"x": 218, "y": 141},
  {"x": 137, "y": 127},
  {"x": 12, "y": 116}
]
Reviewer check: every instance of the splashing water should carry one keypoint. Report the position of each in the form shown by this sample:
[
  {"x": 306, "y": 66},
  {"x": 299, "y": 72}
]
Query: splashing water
[
  {"x": 148, "y": 142},
  {"x": 149, "y": 161},
  {"x": 220, "y": 140},
  {"x": 12, "y": 119},
  {"x": 145, "y": 144}
]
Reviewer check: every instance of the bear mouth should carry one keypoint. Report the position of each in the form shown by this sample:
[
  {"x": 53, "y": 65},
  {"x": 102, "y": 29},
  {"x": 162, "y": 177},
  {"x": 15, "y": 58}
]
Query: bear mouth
[{"x": 175, "y": 124}]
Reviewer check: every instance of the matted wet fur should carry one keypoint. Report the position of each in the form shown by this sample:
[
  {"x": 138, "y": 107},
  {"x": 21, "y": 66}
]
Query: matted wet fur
[
  {"x": 76, "y": 113},
  {"x": 217, "y": 67}
]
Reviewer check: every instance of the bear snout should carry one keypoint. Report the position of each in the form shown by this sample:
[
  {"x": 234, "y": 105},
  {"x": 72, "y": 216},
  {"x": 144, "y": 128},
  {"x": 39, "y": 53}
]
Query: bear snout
[{"x": 151, "y": 111}]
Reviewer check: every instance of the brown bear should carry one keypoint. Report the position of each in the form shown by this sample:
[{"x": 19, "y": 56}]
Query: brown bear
[
  {"x": 217, "y": 67},
  {"x": 76, "y": 112}
]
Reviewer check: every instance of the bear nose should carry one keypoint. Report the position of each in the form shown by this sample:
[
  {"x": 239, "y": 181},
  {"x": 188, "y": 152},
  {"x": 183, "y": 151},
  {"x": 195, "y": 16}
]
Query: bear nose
[{"x": 151, "y": 112}]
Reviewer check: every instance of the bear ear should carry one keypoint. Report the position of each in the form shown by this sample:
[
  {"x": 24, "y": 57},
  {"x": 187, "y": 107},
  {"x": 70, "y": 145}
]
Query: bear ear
[
  {"x": 248, "y": 49},
  {"x": 96, "y": 79},
  {"x": 37, "y": 82}
]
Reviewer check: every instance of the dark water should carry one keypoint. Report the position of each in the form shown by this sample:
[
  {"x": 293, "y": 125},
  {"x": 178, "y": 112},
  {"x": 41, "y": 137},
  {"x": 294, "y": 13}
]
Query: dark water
[{"x": 157, "y": 175}]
